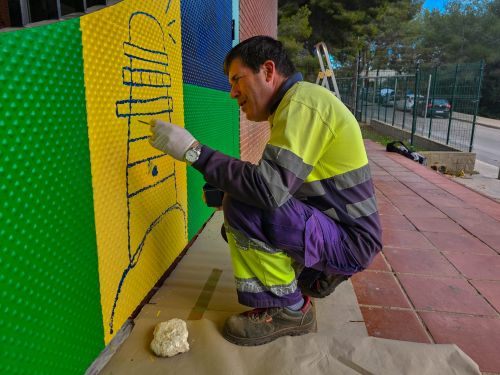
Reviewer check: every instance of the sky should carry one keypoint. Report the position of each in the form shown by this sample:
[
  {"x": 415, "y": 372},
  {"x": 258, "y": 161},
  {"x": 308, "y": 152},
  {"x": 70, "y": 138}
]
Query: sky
[{"x": 434, "y": 4}]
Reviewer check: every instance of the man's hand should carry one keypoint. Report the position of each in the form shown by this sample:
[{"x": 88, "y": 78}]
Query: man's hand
[{"x": 170, "y": 138}]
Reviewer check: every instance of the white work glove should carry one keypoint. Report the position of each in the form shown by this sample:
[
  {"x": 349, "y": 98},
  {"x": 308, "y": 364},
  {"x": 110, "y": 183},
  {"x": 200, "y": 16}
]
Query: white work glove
[{"x": 170, "y": 138}]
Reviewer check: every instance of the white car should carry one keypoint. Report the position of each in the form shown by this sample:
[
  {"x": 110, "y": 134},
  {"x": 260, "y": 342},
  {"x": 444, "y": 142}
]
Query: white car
[{"x": 406, "y": 104}]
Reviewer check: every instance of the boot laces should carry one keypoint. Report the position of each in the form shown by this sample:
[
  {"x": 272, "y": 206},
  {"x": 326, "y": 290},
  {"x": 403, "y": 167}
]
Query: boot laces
[{"x": 260, "y": 314}]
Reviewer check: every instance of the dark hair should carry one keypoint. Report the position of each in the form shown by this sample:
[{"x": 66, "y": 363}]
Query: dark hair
[{"x": 254, "y": 51}]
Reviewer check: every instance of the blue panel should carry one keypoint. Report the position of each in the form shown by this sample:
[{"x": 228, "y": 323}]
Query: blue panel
[{"x": 206, "y": 39}]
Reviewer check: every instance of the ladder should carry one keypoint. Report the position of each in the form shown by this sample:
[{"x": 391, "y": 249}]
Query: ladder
[{"x": 326, "y": 75}]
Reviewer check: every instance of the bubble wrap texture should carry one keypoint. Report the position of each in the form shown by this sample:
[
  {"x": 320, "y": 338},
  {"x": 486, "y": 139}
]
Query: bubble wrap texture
[
  {"x": 133, "y": 73},
  {"x": 213, "y": 118},
  {"x": 206, "y": 39},
  {"x": 82, "y": 241},
  {"x": 50, "y": 314}
]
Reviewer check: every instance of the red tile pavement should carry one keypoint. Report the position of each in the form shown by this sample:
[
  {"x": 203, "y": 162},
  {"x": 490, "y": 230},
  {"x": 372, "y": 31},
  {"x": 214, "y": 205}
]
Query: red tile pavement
[
  {"x": 394, "y": 324},
  {"x": 398, "y": 222},
  {"x": 445, "y": 294},
  {"x": 476, "y": 266},
  {"x": 426, "y": 210},
  {"x": 383, "y": 177},
  {"x": 378, "y": 288},
  {"x": 396, "y": 190},
  {"x": 381, "y": 198},
  {"x": 440, "y": 198},
  {"x": 490, "y": 290},
  {"x": 405, "y": 239},
  {"x": 469, "y": 215},
  {"x": 379, "y": 263},
  {"x": 479, "y": 337},
  {"x": 438, "y": 277},
  {"x": 436, "y": 224},
  {"x": 465, "y": 243},
  {"x": 388, "y": 209},
  {"x": 405, "y": 201},
  {"x": 408, "y": 177},
  {"x": 422, "y": 185},
  {"x": 483, "y": 228},
  {"x": 492, "y": 240},
  {"x": 442, "y": 201},
  {"x": 424, "y": 262}
]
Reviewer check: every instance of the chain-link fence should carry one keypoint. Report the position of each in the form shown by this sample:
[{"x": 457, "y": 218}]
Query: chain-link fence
[{"x": 439, "y": 103}]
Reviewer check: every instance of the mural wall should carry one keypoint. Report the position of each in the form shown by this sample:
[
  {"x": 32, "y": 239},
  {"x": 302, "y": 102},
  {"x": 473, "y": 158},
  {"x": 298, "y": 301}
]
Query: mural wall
[{"x": 92, "y": 215}]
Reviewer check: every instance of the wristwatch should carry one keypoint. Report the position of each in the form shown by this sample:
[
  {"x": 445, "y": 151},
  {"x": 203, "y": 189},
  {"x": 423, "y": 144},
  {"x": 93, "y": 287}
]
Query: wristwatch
[{"x": 193, "y": 153}]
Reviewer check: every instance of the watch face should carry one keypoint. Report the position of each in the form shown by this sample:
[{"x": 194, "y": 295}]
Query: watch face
[{"x": 192, "y": 155}]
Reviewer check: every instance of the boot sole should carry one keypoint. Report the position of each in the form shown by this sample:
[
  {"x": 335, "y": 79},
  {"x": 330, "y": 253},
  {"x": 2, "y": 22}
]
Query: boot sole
[{"x": 292, "y": 331}]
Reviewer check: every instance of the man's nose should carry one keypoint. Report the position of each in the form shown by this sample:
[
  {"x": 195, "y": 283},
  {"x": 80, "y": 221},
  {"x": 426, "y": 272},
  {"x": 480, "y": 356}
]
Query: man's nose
[{"x": 234, "y": 93}]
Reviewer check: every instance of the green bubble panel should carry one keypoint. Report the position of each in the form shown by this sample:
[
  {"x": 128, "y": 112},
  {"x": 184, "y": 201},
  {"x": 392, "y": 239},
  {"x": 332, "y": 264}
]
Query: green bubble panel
[
  {"x": 50, "y": 312},
  {"x": 213, "y": 118}
]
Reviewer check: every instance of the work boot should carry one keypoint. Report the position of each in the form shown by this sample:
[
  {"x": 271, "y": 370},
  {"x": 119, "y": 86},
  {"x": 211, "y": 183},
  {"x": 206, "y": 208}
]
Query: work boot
[
  {"x": 322, "y": 286},
  {"x": 260, "y": 326}
]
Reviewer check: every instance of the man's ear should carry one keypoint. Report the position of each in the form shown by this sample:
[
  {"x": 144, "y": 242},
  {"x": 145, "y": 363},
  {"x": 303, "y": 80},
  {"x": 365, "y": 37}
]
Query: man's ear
[{"x": 269, "y": 69}]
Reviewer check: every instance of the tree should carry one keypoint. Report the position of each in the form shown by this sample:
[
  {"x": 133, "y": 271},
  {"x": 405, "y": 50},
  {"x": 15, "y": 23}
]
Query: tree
[
  {"x": 466, "y": 32},
  {"x": 396, "y": 28},
  {"x": 345, "y": 25},
  {"x": 294, "y": 31},
  {"x": 398, "y": 34}
]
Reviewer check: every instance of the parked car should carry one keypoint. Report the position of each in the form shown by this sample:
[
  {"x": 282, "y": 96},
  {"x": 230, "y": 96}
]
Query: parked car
[
  {"x": 406, "y": 103},
  {"x": 388, "y": 100},
  {"x": 384, "y": 95},
  {"x": 436, "y": 107}
]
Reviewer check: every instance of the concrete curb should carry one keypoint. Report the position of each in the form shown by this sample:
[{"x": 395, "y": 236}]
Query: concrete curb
[{"x": 489, "y": 125}]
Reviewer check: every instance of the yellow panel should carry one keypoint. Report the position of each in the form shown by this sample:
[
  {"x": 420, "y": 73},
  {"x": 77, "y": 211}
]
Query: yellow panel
[{"x": 133, "y": 72}]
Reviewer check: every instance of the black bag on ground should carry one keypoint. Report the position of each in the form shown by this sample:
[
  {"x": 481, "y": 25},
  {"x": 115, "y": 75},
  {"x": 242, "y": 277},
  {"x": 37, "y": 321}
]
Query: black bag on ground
[{"x": 401, "y": 148}]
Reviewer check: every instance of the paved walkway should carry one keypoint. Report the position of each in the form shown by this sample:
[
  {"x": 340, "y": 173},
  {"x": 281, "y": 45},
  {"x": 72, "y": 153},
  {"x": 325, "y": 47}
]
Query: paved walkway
[{"x": 437, "y": 279}]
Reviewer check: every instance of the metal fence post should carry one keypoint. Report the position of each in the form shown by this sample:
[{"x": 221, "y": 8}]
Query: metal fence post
[
  {"x": 394, "y": 102},
  {"x": 414, "y": 120},
  {"x": 478, "y": 97},
  {"x": 427, "y": 94},
  {"x": 385, "y": 110},
  {"x": 367, "y": 86},
  {"x": 433, "y": 96},
  {"x": 378, "y": 96},
  {"x": 452, "y": 104},
  {"x": 356, "y": 79},
  {"x": 404, "y": 106}
]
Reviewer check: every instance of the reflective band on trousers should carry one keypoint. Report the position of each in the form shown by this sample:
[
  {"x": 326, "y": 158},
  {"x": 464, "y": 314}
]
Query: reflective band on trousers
[
  {"x": 245, "y": 243},
  {"x": 255, "y": 286}
]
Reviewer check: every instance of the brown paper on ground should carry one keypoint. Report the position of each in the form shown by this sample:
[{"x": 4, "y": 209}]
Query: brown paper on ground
[{"x": 341, "y": 345}]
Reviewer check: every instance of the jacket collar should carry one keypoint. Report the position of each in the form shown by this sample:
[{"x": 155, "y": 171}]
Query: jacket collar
[{"x": 292, "y": 80}]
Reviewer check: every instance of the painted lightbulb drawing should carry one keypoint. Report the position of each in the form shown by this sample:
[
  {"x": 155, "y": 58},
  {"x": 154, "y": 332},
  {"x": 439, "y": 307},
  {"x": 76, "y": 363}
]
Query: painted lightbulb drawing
[{"x": 150, "y": 174}]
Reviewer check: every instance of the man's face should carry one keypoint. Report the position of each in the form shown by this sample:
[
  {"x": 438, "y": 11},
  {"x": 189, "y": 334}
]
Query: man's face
[{"x": 253, "y": 91}]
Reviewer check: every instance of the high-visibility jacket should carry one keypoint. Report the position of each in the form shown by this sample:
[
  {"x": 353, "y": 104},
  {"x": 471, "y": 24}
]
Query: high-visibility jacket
[{"x": 316, "y": 154}]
